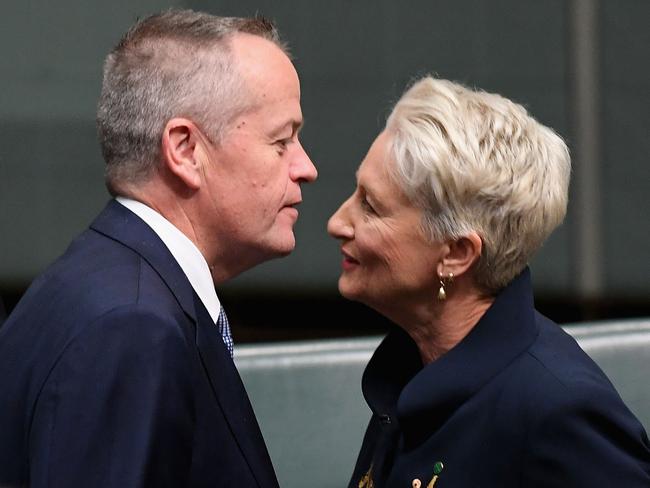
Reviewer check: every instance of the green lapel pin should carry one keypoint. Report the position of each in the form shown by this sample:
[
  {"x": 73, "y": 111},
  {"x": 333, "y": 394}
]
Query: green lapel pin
[{"x": 437, "y": 469}]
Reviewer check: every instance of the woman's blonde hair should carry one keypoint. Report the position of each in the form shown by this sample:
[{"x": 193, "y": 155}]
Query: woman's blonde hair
[{"x": 476, "y": 161}]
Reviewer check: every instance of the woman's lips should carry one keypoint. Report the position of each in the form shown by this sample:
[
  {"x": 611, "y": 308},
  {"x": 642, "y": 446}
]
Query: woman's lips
[{"x": 348, "y": 261}]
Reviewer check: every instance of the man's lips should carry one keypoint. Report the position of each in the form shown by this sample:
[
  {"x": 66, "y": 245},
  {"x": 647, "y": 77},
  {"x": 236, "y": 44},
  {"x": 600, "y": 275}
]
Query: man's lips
[
  {"x": 293, "y": 204},
  {"x": 291, "y": 207}
]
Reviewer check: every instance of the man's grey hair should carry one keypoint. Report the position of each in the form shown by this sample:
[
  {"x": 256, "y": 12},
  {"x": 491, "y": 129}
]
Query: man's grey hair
[
  {"x": 174, "y": 64},
  {"x": 476, "y": 161}
]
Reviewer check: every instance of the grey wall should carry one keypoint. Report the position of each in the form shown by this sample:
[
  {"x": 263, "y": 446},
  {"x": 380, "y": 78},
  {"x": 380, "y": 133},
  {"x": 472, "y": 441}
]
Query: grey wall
[{"x": 354, "y": 59}]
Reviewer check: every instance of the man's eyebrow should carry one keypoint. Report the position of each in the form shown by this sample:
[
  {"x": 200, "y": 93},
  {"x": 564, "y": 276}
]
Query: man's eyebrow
[{"x": 296, "y": 126}]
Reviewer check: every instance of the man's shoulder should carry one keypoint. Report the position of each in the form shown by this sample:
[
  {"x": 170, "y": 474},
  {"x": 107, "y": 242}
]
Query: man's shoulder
[
  {"x": 93, "y": 276},
  {"x": 95, "y": 285},
  {"x": 94, "y": 269}
]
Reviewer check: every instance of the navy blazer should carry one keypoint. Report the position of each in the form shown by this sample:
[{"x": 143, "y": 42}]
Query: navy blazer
[
  {"x": 112, "y": 374},
  {"x": 516, "y": 403}
]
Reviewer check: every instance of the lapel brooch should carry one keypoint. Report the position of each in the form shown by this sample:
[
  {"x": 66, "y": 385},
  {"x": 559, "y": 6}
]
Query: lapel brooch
[
  {"x": 437, "y": 469},
  {"x": 366, "y": 480}
]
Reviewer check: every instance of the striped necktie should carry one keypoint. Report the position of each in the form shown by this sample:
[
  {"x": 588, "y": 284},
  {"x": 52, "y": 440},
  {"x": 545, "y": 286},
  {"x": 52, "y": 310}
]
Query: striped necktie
[{"x": 224, "y": 330}]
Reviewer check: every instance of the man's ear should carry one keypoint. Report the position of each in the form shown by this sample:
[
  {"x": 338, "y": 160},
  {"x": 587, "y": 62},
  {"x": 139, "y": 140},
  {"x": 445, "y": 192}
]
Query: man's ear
[
  {"x": 181, "y": 153},
  {"x": 461, "y": 255}
]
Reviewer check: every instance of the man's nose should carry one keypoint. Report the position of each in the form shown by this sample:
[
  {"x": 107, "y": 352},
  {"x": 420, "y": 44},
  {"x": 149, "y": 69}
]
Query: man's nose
[{"x": 303, "y": 168}]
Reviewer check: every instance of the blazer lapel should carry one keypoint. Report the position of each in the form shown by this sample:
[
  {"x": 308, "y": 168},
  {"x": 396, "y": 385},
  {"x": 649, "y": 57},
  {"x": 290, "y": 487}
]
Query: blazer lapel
[
  {"x": 231, "y": 395},
  {"x": 119, "y": 223}
]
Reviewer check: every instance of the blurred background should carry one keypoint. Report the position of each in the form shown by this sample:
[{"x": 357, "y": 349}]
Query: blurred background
[{"x": 579, "y": 66}]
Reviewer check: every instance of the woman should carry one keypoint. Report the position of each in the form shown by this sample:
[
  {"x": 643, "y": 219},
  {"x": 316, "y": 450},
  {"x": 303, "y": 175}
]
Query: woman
[{"x": 474, "y": 388}]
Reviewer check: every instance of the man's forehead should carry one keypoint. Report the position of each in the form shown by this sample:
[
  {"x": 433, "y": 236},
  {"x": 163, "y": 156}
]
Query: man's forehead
[
  {"x": 268, "y": 76},
  {"x": 251, "y": 51}
]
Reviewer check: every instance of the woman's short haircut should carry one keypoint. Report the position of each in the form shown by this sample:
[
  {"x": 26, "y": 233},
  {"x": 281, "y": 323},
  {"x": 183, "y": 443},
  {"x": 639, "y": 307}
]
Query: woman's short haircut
[
  {"x": 476, "y": 161},
  {"x": 174, "y": 64}
]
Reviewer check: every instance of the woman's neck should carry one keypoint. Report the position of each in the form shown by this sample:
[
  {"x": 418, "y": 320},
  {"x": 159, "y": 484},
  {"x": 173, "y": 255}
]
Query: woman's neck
[{"x": 436, "y": 327}]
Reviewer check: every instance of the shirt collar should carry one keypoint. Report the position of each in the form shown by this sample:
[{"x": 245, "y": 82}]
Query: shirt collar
[{"x": 185, "y": 252}]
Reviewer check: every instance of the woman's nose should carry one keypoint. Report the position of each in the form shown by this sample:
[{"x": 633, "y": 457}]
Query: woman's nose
[{"x": 339, "y": 225}]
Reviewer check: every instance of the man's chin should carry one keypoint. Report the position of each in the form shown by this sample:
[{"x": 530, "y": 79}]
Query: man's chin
[
  {"x": 283, "y": 247},
  {"x": 282, "y": 254}
]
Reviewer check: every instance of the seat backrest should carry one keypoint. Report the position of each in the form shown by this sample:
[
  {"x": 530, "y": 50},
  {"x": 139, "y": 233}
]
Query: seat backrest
[
  {"x": 622, "y": 350},
  {"x": 308, "y": 401},
  {"x": 307, "y": 395}
]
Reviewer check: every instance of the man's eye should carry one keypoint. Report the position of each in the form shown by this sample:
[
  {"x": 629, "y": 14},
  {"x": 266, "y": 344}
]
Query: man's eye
[{"x": 283, "y": 142}]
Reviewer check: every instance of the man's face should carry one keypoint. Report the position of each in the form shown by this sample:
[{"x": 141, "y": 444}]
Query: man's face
[{"x": 253, "y": 175}]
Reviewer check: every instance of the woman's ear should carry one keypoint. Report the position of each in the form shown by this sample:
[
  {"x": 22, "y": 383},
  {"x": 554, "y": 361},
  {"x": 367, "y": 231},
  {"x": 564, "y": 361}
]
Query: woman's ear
[
  {"x": 461, "y": 255},
  {"x": 181, "y": 153}
]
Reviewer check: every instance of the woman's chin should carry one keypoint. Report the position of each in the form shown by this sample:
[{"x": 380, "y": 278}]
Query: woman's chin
[
  {"x": 356, "y": 294},
  {"x": 348, "y": 290}
]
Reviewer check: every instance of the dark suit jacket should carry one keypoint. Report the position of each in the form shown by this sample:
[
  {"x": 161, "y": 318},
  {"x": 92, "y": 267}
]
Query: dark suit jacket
[
  {"x": 112, "y": 374},
  {"x": 3, "y": 312},
  {"x": 516, "y": 404}
]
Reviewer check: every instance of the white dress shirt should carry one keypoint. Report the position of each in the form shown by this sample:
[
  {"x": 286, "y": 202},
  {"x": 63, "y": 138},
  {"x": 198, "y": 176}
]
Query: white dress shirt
[{"x": 185, "y": 252}]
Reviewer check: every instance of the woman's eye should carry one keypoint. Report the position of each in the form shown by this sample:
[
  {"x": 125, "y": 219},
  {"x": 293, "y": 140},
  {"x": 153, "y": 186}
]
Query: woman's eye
[{"x": 365, "y": 204}]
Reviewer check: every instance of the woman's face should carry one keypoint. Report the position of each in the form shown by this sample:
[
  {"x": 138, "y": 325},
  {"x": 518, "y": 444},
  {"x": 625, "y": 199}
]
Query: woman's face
[{"x": 387, "y": 261}]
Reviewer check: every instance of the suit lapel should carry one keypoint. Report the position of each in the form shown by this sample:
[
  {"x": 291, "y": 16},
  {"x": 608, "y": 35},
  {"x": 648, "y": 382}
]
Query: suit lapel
[
  {"x": 231, "y": 395},
  {"x": 120, "y": 224}
]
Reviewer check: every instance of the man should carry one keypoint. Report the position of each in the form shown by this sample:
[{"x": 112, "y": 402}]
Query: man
[{"x": 116, "y": 367}]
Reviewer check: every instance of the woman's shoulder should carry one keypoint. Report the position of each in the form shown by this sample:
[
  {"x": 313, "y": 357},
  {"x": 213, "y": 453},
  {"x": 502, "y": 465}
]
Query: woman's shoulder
[
  {"x": 561, "y": 363},
  {"x": 558, "y": 379}
]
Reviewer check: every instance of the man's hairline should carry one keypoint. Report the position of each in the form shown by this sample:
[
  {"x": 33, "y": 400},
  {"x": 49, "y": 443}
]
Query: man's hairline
[{"x": 246, "y": 107}]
